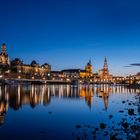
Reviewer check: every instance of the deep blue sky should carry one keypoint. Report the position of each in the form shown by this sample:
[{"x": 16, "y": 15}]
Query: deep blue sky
[{"x": 66, "y": 33}]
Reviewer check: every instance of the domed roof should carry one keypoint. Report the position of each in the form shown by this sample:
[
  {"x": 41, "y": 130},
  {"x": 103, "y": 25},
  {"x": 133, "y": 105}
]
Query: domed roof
[
  {"x": 16, "y": 61},
  {"x": 34, "y": 63}
]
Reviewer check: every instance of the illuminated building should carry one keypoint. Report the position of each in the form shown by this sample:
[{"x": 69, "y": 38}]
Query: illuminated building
[
  {"x": 72, "y": 73},
  {"x": 17, "y": 69},
  {"x": 4, "y": 59},
  {"x": 133, "y": 79},
  {"x": 34, "y": 68},
  {"x": 57, "y": 75},
  {"x": 103, "y": 74},
  {"x": 79, "y": 73},
  {"x": 118, "y": 79},
  {"x": 87, "y": 73}
]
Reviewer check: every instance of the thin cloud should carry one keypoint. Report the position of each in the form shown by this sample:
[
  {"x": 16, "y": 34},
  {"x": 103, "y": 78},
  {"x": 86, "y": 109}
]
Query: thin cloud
[
  {"x": 135, "y": 64},
  {"x": 128, "y": 66}
]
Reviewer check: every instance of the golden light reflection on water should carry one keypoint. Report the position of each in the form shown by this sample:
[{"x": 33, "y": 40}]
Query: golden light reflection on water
[{"x": 17, "y": 96}]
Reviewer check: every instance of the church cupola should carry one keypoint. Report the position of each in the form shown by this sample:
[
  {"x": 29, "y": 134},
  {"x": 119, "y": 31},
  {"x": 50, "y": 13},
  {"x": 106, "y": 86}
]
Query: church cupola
[{"x": 88, "y": 67}]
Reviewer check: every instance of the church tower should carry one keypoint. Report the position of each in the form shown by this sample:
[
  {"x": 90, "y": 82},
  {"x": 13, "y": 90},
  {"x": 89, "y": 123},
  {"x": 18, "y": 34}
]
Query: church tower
[
  {"x": 88, "y": 67},
  {"x": 105, "y": 68},
  {"x": 105, "y": 64},
  {"x": 4, "y": 59},
  {"x": 104, "y": 73}
]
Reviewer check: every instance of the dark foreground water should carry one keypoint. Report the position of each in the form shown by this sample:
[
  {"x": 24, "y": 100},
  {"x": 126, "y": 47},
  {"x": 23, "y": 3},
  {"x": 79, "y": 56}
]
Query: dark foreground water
[{"x": 65, "y": 112}]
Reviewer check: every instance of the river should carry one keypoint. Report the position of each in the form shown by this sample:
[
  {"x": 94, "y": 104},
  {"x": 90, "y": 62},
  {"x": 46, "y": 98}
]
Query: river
[{"x": 67, "y": 112}]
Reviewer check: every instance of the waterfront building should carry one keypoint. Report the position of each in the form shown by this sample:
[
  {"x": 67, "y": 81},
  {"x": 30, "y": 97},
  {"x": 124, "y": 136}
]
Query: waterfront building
[
  {"x": 57, "y": 75},
  {"x": 71, "y": 73},
  {"x": 118, "y": 80},
  {"x": 4, "y": 59},
  {"x": 80, "y": 73},
  {"x": 33, "y": 69},
  {"x": 103, "y": 74},
  {"x": 133, "y": 79},
  {"x": 17, "y": 69},
  {"x": 88, "y": 72}
]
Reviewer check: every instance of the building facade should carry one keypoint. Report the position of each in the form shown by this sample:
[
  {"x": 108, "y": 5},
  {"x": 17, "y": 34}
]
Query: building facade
[
  {"x": 33, "y": 69},
  {"x": 133, "y": 79},
  {"x": 4, "y": 59},
  {"x": 88, "y": 72},
  {"x": 103, "y": 75},
  {"x": 80, "y": 73}
]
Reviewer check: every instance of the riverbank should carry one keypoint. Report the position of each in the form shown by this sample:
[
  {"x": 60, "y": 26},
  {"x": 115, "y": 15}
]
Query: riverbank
[{"x": 14, "y": 81}]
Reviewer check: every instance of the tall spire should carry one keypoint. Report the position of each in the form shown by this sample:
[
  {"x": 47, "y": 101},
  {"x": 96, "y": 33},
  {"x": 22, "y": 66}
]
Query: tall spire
[
  {"x": 105, "y": 60},
  {"x": 105, "y": 63},
  {"x": 90, "y": 61}
]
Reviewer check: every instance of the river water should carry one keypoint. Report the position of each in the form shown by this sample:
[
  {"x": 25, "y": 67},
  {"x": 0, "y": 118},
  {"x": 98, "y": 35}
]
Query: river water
[{"x": 67, "y": 112}]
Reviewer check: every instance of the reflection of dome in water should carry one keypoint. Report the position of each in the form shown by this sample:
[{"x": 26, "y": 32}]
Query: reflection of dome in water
[
  {"x": 32, "y": 104},
  {"x": 87, "y": 93},
  {"x": 82, "y": 92}
]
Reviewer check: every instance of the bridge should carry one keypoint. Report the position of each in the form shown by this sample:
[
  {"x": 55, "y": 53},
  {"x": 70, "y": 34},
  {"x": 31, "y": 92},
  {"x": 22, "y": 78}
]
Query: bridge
[{"x": 32, "y": 81}]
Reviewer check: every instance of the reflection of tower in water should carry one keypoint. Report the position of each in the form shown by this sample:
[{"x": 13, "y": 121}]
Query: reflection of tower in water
[
  {"x": 103, "y": 92},
  {"x": 3, "y": 104},
  {"x": 87, "y": 92}
]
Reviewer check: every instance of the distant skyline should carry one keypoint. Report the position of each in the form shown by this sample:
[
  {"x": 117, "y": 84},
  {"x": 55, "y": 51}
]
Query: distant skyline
[{"x": 67, "y": 33}]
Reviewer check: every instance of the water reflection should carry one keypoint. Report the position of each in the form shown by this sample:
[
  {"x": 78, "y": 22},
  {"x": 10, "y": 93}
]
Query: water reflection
[
  {"x": 87, "y": 92},
  {"x": 18, "y": 95},
  {"x": 103, "y": 92},
  {"x": 3, "y": 104}
]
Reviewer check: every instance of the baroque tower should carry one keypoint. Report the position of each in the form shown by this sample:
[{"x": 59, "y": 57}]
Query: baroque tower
[
  {"x": 105, "y": 68},
  {"x": 103, "y": 74},
  {"x": 88, "y": 67},
  {"x": 105, "y": 63},
  {"x": 4, "y": 59}
]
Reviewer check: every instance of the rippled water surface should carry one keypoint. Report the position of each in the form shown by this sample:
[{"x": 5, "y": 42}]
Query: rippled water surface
[{"x": 67, "y": 112}]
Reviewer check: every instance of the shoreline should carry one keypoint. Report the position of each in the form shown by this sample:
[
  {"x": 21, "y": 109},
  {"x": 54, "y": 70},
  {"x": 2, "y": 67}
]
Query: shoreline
[{"x": 75, "y": 82}]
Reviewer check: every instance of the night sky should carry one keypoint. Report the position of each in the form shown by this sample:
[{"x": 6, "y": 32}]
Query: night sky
[{"x": 67, "y": 33}]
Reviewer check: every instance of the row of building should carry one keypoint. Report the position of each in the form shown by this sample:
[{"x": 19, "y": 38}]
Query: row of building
[
  {"x": 17, "y": 66},
  {"x": 85, "y": 74},
  {"x": 17, "y": 69}
]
